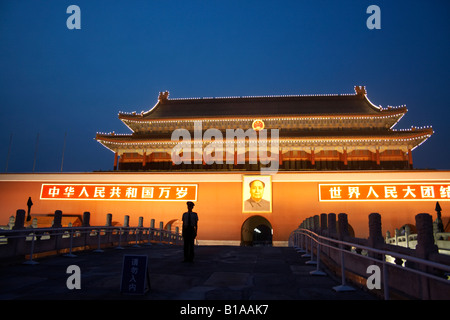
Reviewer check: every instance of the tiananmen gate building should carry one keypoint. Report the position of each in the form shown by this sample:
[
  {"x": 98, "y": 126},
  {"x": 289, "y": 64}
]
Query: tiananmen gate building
[
  {"x": 254, "y": 166},
  {"x": 322, "y": 132}
]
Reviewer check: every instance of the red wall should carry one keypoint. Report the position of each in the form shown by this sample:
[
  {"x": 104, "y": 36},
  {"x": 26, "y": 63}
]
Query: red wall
[{"x": 219, "y": 202}]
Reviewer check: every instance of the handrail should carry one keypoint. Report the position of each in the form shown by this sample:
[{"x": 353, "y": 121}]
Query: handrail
[
  {"x": 321, "y": 240},
  {"x": 52, "y": 229},
  {"x": 385, "y": 252},
  {"x": 112, "y": 234}
]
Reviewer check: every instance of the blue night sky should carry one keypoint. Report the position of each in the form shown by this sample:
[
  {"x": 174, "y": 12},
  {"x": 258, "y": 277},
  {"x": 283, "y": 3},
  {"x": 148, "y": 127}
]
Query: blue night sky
[{"x": 54, "y": 80}]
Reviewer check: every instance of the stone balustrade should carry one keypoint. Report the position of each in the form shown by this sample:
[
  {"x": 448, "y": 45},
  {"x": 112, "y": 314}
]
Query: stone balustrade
[
  {"x": 360, "y": 253},
  {"x": 18, "y": 242},
  {"x": 405, "y": 238}
]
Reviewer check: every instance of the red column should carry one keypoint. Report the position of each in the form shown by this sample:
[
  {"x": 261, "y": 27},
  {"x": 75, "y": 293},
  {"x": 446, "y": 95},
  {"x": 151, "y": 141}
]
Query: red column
[
  {"x": 280, "y": 161},
  {"x": 378, "y": 157},
  {"x": 345, "y": 157},
  {"x": 170, "y": 155},
  {"x": 313, "y": 158},
  {"x": 410, "y": 160},
  {"x": 144, "y": 159},
  {"x": 116, "y": 157}
]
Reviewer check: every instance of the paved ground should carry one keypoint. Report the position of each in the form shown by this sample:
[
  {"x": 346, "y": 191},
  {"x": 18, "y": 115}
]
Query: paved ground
[{"x": 218, "y": 273}]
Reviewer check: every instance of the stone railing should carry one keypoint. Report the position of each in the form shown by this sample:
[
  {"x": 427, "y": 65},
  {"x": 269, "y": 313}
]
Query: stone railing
[
  {"x": 407, "y": 239},
  {"x": 419, "y": 273},
  {"x": 22, "y": 243}
]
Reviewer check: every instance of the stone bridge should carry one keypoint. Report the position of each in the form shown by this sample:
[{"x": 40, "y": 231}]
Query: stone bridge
[
  {"x": 322, "y": 262},
  {"x": 420, "y": 273}
]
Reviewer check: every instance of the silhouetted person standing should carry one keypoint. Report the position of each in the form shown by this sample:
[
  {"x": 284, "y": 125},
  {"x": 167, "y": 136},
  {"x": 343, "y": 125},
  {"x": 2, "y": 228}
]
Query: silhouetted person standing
[
  {"x": 190, "y": 226},
  {"x": 29, "y": 204}
]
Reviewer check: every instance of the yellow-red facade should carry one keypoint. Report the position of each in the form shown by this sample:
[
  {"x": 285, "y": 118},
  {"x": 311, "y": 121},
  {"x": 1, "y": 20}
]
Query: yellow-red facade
[{"x": 219, "y": 198}]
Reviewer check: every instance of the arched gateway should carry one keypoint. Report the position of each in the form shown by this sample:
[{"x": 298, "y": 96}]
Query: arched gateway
[{"x": 256, "y": 230}]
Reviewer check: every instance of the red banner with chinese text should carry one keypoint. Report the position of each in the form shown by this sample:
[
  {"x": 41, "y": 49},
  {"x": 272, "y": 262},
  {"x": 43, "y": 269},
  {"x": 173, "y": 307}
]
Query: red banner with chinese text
[
  {"x": 413, "y": 191},
  {"x": 124, "y": 192}
]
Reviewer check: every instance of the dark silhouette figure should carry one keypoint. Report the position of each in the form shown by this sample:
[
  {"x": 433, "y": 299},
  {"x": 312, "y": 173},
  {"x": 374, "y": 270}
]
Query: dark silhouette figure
[
  {"x": 29, "y": 204},
  {"x": 190, "y": 227},
  {"x": 440, "y": 225}
]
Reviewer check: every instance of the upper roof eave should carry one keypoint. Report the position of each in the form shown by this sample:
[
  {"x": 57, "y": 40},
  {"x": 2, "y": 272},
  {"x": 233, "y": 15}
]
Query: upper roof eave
[
  {"x": 390, "y": 135},
  {"x": 384, "y": 112}
]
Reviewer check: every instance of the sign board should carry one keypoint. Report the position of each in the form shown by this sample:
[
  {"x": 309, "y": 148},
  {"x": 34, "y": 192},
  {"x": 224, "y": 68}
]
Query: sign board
[
  {"x": 135, "y": 278},
  {"x": 121, "y": 192},
  {"x": 413, "y": 191}
]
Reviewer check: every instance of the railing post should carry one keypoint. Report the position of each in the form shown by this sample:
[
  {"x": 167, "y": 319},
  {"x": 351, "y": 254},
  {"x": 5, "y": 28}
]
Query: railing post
[
  {"x": 161, "y": 229},
  {"x": 126, "y": 227},
  {"x": 99, "y": 249},
  {"x": 19, "y": 242},
  {"x": 57, "y": 223},
  {"x": 318, "y": 272},
  {"x": 109, "y": 220},
  {"x": 312, "y": 251},
  {"x": 375, "y": 239},
  {"x": 407, "y": 233},
  {"x": 168, "y": 233},
  {"x": 120, "y": 239},
  {"x": 315, "y": 229},
  {"x": 136, "y": 234},
  {"x": 86, "y": 219},
  {"x": 388, "y": 236},
  {"x": 178, "y": 235},
  {"x": 332, "y": 231},
  {"x": 305, "y": 239},
  {"x": 152, "y": 227},
  {"x": 31, "y": 261},
  {"x": 149, "y": 233},
  {"x": 70, "y": 254},
  {"x": 323, "y": 224},
  {"x": 343, "y": 233},
  {"x": 137, "y": 231},
  {"x": 304, "y": 244},
  {"x": 299, "y": 241},
  {"x": 108, "y": 230},
  {"x": 343, "y": 287},
  {"x": 19, "y": 221},
  {"x": 126, "y": 221},
  {"x": 425, "y": 246},
  {"x": 20, "y": 239},
  {"x": 425, "y": 238},
  {"x": 385, "y": 281},
  {"x": 85, "y": 223},
  {"x": 57, "y": 220},
  {"x": 316, "y": 222},
  {"x": 11, "y": 222},
  {"x": 343, "y": 226}
]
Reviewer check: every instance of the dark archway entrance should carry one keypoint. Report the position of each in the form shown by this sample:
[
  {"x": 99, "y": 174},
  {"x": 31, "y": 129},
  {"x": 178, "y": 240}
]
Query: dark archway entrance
[{"x": 256, "y": 230}]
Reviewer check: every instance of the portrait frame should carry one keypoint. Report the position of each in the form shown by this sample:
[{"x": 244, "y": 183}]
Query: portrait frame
[{"x": 247, "y": 207}]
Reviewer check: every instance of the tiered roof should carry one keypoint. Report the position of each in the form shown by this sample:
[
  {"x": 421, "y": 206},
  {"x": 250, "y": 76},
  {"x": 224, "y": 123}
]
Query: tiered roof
[{"x": 304, "y": 119}]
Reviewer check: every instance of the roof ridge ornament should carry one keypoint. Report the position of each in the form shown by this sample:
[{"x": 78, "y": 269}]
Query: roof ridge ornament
[
  {"x": 360, "y": 90},
  {"x": 163, "y": 96}
]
